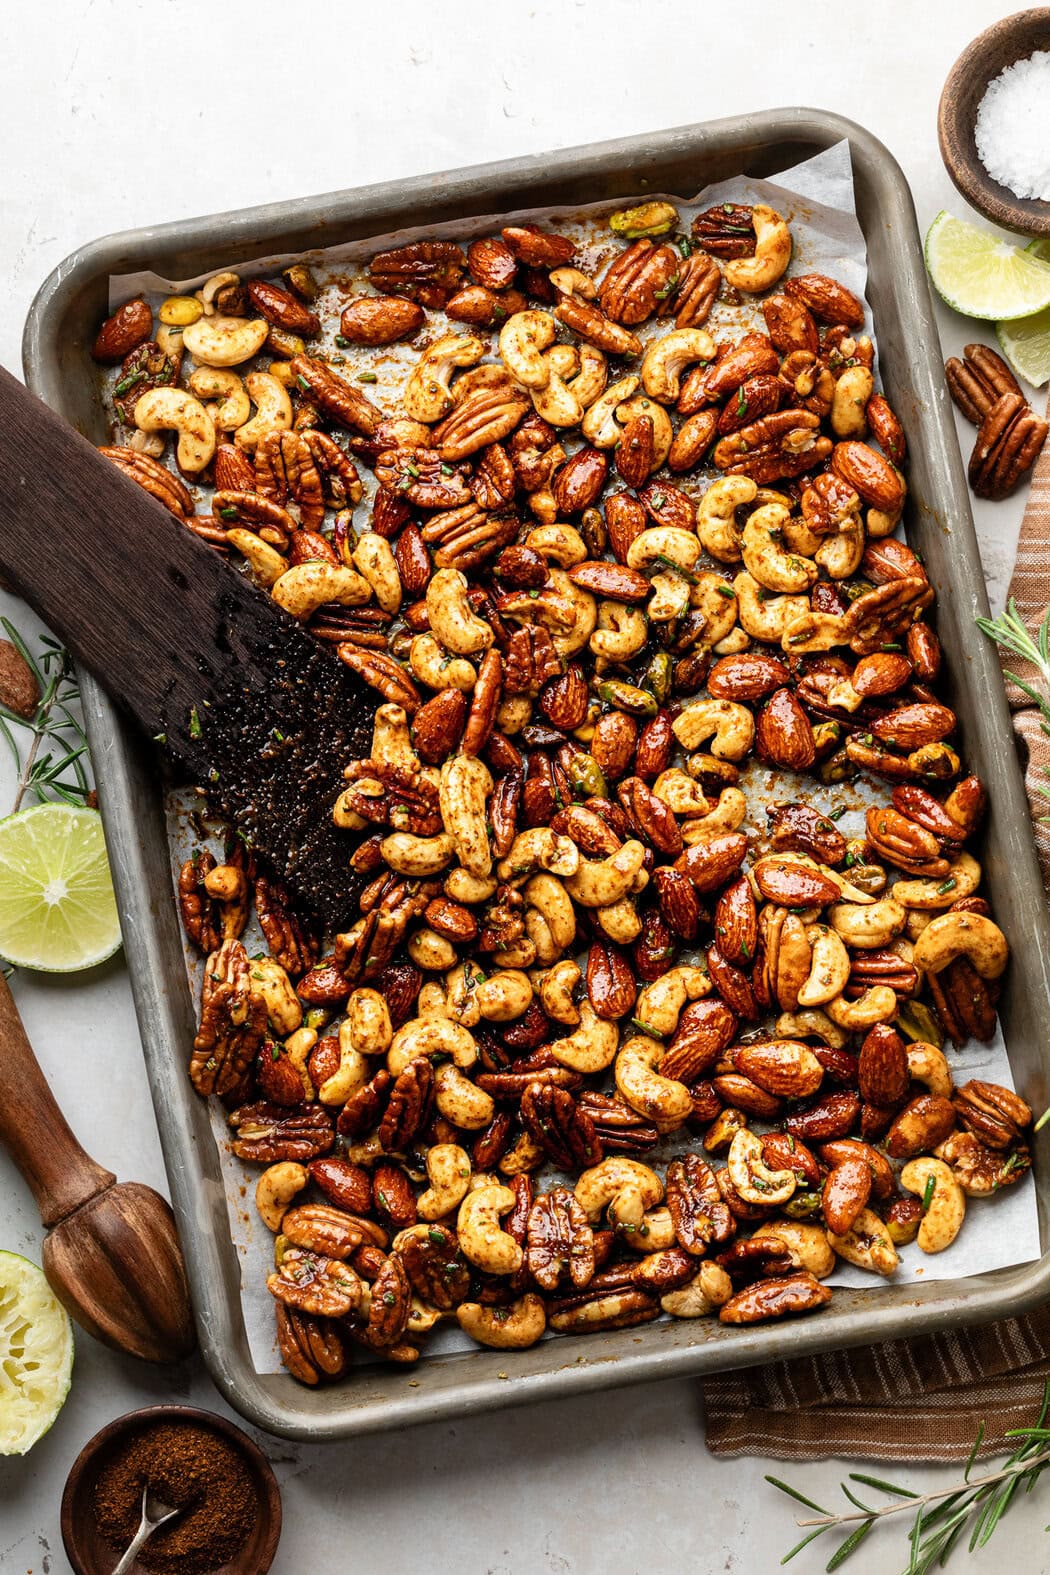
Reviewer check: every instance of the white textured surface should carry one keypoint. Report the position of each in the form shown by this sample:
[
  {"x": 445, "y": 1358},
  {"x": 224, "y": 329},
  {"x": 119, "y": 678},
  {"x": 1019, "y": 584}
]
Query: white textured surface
[{"x": 125, "y": 112}]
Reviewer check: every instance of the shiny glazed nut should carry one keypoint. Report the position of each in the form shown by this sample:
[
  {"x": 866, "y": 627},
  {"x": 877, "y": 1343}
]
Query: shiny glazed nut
[{"x": 776, "y": 1298}]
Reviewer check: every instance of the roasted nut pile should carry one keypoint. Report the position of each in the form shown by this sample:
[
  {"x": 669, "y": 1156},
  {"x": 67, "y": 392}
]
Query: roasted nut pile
[{"x": 609, "y": 559}]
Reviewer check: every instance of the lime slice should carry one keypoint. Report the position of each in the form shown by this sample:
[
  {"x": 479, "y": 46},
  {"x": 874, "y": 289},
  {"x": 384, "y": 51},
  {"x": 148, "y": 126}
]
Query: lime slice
[
  {"x": 1025, "y": 341},
  {"x": 36, "y": 1354},
  {"x": 57, "y": 908},
  {"x": 980, "y": 275}
]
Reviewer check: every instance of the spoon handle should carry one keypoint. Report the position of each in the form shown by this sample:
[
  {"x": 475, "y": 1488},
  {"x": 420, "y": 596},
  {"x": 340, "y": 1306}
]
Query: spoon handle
[
  {"x": 57, "y": 1170},
  {"x": 128, "y": 1559}
]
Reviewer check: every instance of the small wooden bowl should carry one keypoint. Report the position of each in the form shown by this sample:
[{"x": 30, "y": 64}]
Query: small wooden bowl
[
  {"x": 1014, "y": 38},
  {"x": 88, "y": 1551}
]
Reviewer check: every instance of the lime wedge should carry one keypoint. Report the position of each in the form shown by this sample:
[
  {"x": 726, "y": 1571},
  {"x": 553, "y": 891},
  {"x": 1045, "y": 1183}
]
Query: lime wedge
[
  {"x": 1025, "y": 341},
  {"x": 980, "y": 275},
  {"x": 57, "y": 908},
  {"x": 36, "y": 1354}
]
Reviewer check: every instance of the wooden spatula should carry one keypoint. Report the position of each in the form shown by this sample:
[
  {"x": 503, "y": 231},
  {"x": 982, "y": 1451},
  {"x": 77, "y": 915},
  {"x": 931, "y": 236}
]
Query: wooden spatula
[{"x": 255, "y": 708}]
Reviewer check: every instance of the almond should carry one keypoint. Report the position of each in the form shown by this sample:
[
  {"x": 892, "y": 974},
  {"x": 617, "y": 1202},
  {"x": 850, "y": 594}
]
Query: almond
[
  {"x": 785, "y": 1067},
  {"x": 826, "y": 1118},
  {"x": 826, "y": 299},
  {"x": 563, "y": 700},
  {"x": 783, "y": 733},
  {"x": 846, "y": 1191},
  {"x": 911, "y": 726},
  {"x": 611, "y": 989},
  {"x": 655, "y": 743},
  {"x": 625, "y": 519},
  {"x": 704, "y": 1030},
  {"x": 129, "y": 327},
  {"x": 538, "y": 248},
  {"x": 921, "y": 1125},
  {"x": 412, "y": 557},
  {"x": 792, "y": 884},
  {"x": 612, "y": 581},
  {"x": 790, "y": 324},
  {"x": 438, "y": 725},
  {"x": 748, "y": 676},
  {"x": 711, "y": 864},
  {"x": 580, "y": 480},
  {"x": 635, "y": 450},
  {"x": 613, "y": 744},
  {"x": 491, "y": 262},
  {"x": 868, "y": 473},
  {"x": 881, "y": 673},
  {"x": 678, "y": 903},
  {"x": 19, "y": 690},
  {"x": 281, "y": 308},
  {"x": 380, "y": 319},
  {"x": 736, "y": 922},
  {"x": 653, "y": 820}
]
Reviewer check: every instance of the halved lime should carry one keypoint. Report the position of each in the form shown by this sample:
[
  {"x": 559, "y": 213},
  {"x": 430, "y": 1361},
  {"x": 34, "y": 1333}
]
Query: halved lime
[
  {"x": 57, "y": 908},
  {"x": 36, "y": 1354},
  {"x": 980, "y": 275},
  {"x": 1025, "y": 341}
]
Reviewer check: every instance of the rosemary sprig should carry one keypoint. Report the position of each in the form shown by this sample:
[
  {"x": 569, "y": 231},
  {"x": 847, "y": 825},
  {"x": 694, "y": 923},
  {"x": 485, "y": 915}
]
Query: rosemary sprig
[
  {"x": 54, "y": 763},
  {"x": 976, "y": 1504},
  {"x": 1010, "y": 634}
]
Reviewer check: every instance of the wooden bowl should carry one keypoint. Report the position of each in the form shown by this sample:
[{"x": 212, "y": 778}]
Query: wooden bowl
[
  {"x": 1014, "y": 38},
  {"x": 88, "y": 1551}
]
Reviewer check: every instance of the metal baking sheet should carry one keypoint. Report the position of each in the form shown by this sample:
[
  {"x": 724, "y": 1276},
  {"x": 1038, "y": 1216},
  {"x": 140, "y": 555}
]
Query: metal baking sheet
[{"x": 60, "y": 327}]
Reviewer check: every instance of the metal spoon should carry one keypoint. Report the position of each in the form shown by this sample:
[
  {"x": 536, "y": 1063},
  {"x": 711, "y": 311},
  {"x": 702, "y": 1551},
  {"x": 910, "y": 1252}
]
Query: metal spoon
[{"x": 154, "y": 1513}]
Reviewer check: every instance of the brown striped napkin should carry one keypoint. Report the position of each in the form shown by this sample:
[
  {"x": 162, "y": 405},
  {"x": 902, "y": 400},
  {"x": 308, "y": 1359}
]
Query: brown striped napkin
[{"x": 915, "y": 1399}]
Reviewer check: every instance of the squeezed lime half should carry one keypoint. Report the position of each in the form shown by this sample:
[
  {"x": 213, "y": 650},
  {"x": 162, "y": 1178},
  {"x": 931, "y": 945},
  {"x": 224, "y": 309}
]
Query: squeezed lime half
[{"x": 36, "y": 1354}]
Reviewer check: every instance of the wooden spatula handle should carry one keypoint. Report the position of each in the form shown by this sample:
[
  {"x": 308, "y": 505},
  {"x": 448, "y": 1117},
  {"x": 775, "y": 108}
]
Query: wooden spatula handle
[{"x": 58, "y": 1172}]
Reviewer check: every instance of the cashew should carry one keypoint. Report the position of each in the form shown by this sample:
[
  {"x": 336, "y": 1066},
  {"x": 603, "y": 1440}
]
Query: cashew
[
  {"x": 284, "y": 1010},
  {"x": 807, "y": 1244},
  {"x": 946, "y": 1209},
  {"x": 462, "y": 886},
  {"x": 600, "y": 426},
  {"x": 464, "y": 789},
  {"x": 591, "y": 1048},
  {"x": 667, "y": 358},
  {"x": 655, "y": 1233},
  {"x": 392, "y": 740},
  {"x": 709, "y": 1289},
  {"x": 374, "y": 561},
  {"x": 504, "y": 995},
  {"x": 624, "y": 1186},
  {"x": 512, "y": 1328},
  {"x": 927, "y": 1065},
  {"x": 556, "y": 991},
  {"x": 591, "y": 377},
  {"x": 764, "y": 555},
  {"x": 430, "y": 1036},
  {"x": 751, "y": 1177},
  {"x": 849, "y": 406},
  {"x": 952, "y": 935},
  {"x": 573, "y": 281},
  {"x": 559, "y": 543},
  {"x": 680, "y": 793},
  {"x": 430, "y": 951},
  {"x": 417, "y": 856},
  {"x": 716, "y": 516},
  {"x": 867, "y": 1244},
  {"x": 772, "y": 253},
  {"x": 452, "y": 618},
  {"x": 352, "y": 1072},
  {"x": 963, "y": 879},
  {"x": 670, "y": 598},
  {"x": 584, "y": 614},
  {"x": 428, "y": 395},
  {"x": 711, "y": 596},
  {"x": 151, "y": 443},
  {"x": 306, "y": 586},
  {"x": 273, "y": 410},
  {"x": 661, "y": 1100},
  {"x": 729, "y": 725},
  {"x": 766, "y": 617},
  {"x": 297, "y": 1048},
  {"x": 526, "y": 1155},
  {"x": 461, "y": 1101},
  {"x": 663, "y": 543},
  {"x": 816, "y": 631},
  {"x": 434, "y": 668},
  {"x": 173, "y": 410},
  {"x": 621, "y": 633},
  {"x": 550, "y": 920},
  {"x": 368, "y": 1022},
  {"x": 523, "y": 339},
  {"x": 728, "y": 814},
  {"x": 487, "y": 1246},
  {"x": 877, "y": 1005},
  {"x": 265, "y": 561},
  {"x": 211, "y": 287},
  {"x": 224, "y": 341},
  {"x": 660, "y": 1004},
  {"x": 619, "y": 921},
  {"x": 797, "y": 1025},
  {"x": 539, "y": 848},
  {"x": 233, "y": 407},
  {"x": 599, "y": 882},
  {"x": 867, "y": 928},
  {"x": 275, "y": 1189},
  {"x": 840, "y": 555},
  {"x": 556, "y": 402},
  {"x": 829, "y": 969}
]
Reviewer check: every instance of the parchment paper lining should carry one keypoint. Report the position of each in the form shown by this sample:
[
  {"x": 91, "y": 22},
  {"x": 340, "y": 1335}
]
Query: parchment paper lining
[{"x": 817, "y": 198}]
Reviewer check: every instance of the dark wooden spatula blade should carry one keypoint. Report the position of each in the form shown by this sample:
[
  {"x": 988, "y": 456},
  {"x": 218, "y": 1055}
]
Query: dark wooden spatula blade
[{"x": 259, "y": 712}]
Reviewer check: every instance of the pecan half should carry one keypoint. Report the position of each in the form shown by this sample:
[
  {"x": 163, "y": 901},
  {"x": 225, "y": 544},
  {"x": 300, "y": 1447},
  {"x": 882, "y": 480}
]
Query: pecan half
[
  {"x": 316, "y": 1285},
  {"x": 698, "y": 1211},
  {"x": 233, "y": 1022},
  {"x": 269, "y": 1133},
  {"x": 559, "y": 1241},
  {"x": 312, "y": 1349}
]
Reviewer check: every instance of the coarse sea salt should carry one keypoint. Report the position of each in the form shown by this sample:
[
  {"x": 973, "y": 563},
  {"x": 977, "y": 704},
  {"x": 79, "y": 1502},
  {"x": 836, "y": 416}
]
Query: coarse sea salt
[{"x": 1013, "y": 127}]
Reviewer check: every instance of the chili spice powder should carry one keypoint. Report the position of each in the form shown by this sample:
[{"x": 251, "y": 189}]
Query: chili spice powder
[{"x": 190, "y": 1468}]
